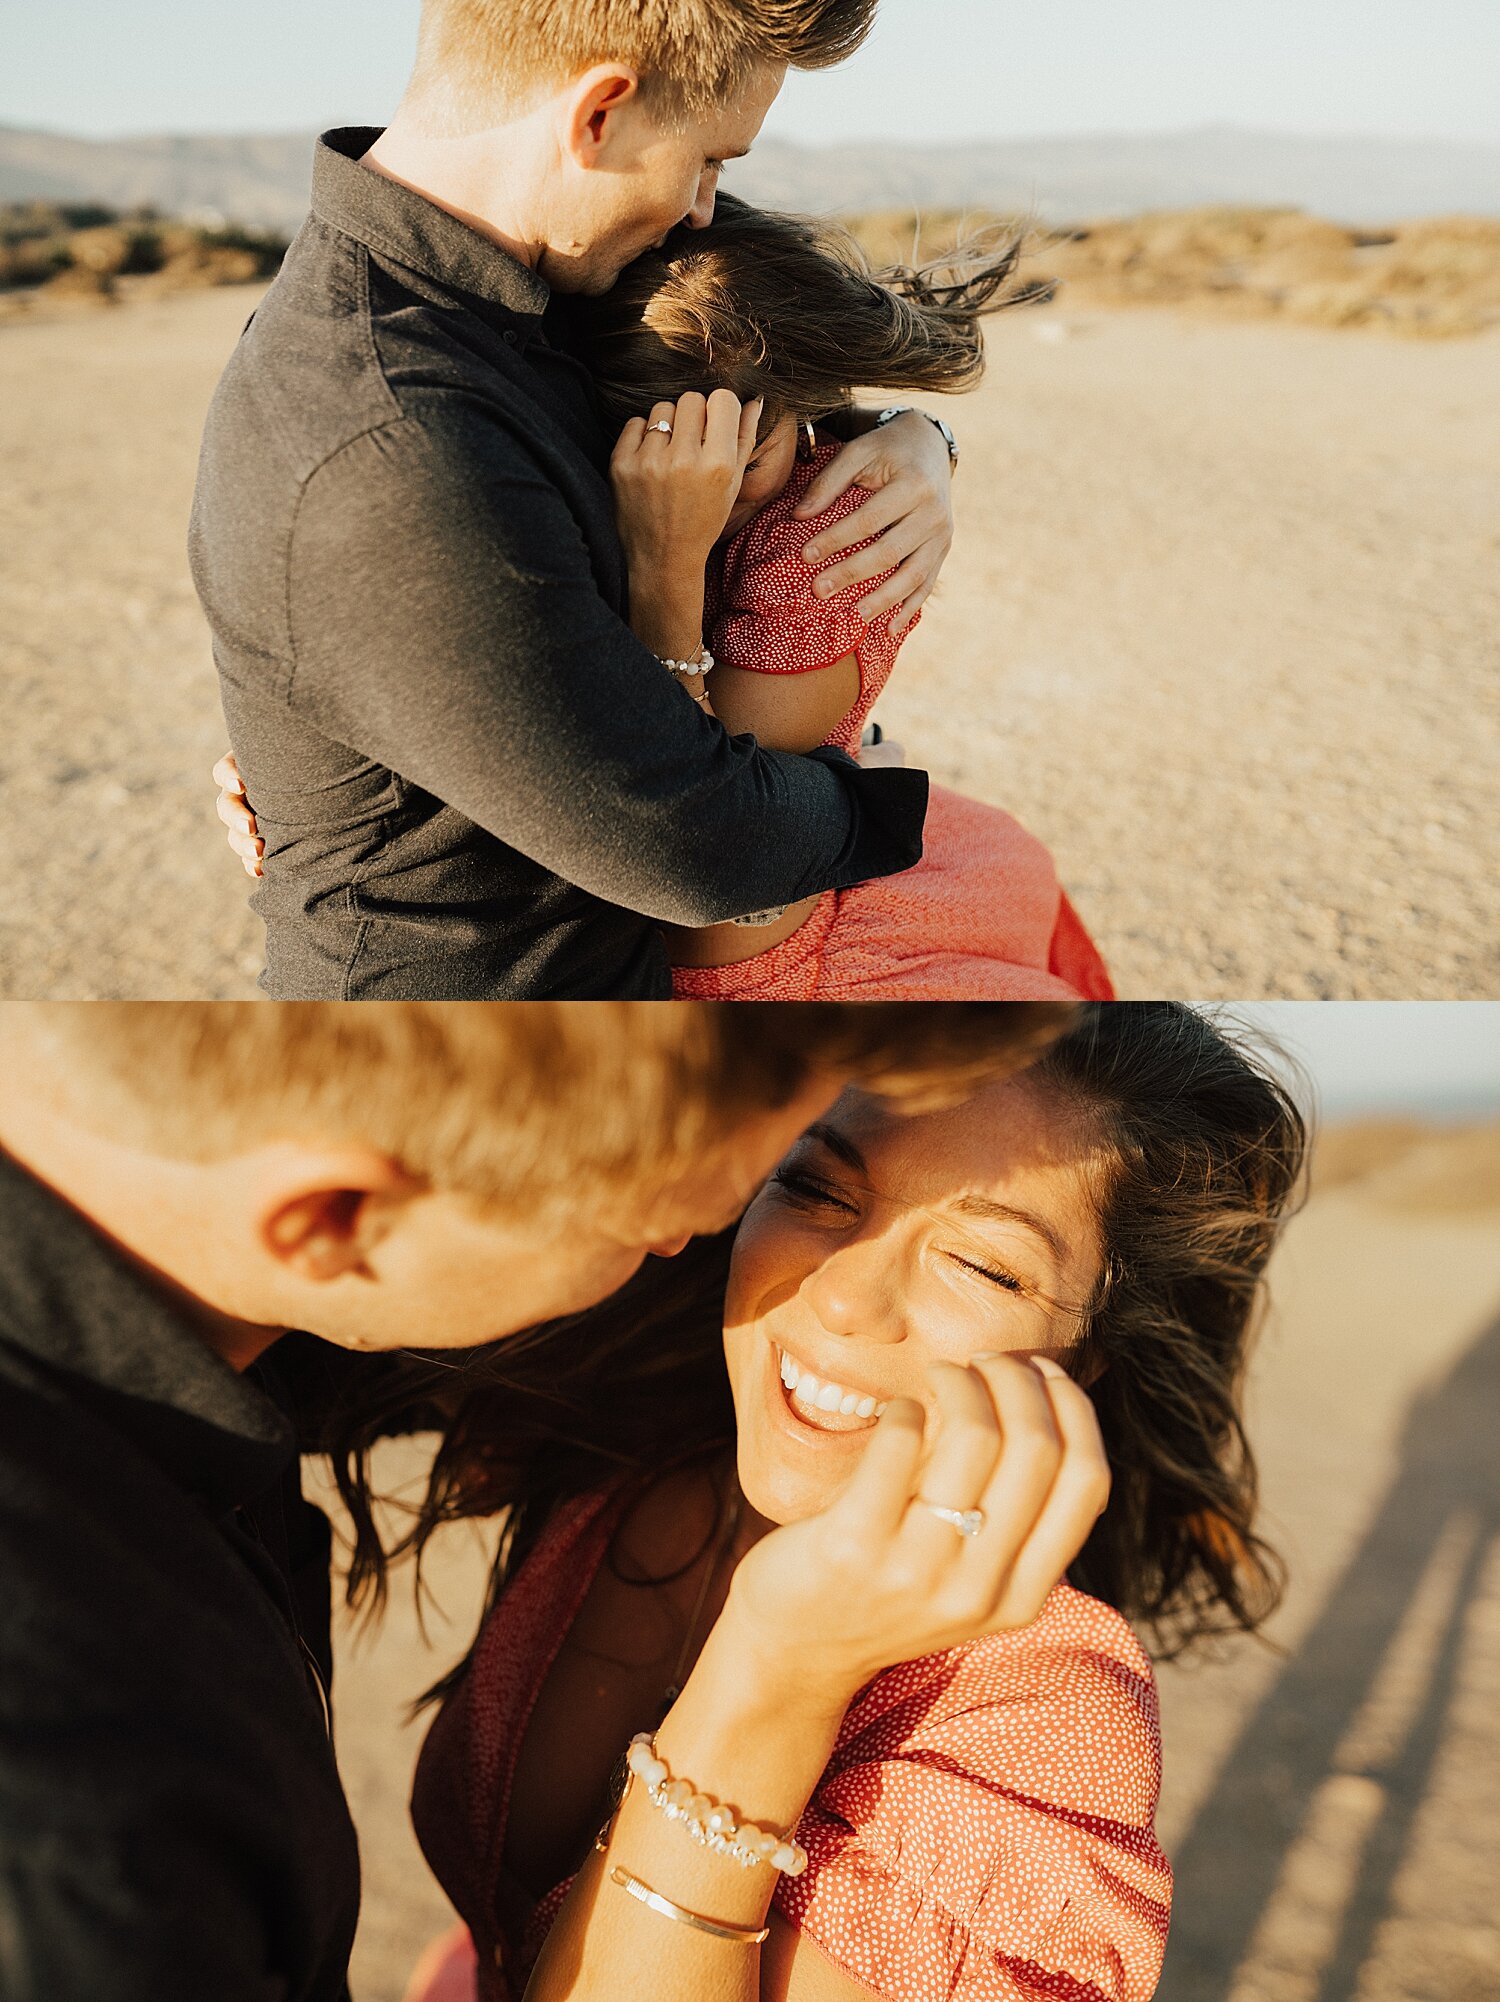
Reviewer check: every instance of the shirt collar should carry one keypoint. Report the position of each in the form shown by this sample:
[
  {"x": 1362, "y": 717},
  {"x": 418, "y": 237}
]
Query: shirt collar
[
  {"x": 400, "y": 224},
  {"x": 70, "y": 1298}
]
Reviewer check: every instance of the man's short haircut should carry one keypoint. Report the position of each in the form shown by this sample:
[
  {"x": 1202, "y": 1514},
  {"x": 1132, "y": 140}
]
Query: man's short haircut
[
  {"x": 475, "y": 55},
  {"x": 532, "y": 1104}
]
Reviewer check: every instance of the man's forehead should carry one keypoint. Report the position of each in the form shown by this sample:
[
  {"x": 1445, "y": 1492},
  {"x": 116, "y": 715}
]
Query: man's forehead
[{"x": 734, "y": 126}]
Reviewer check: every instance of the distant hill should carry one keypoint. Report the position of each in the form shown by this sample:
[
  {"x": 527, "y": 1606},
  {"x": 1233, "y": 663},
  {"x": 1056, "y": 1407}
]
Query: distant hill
[{"x": 260, "y": 180}]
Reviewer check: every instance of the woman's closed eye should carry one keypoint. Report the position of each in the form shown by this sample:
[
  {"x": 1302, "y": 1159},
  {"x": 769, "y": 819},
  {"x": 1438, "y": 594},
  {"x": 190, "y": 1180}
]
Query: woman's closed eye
[
  {"x": 812, "y": 1192},
  {"x": 809, "y": 1191},
  {"x": 996, "y": 1274}
]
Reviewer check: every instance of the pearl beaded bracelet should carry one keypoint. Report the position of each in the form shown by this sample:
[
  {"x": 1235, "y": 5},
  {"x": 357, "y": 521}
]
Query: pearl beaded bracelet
[
  {"x": 702, "y": 662},
  {"x": 708, "y": 1821}
]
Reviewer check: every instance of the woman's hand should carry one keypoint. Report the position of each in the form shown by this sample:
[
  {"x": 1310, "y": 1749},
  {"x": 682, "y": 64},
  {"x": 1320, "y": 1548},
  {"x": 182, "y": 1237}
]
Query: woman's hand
[
  {"x": 877, "y": 1578},
  {"x": 673, "y": 494},
  {"x": 905, "y": 465},
  {"x": 234, "y": 810}
]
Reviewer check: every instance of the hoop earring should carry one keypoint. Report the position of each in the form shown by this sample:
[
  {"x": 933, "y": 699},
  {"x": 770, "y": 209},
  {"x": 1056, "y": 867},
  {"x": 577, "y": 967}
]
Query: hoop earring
[{"x": 807, "y": 441}]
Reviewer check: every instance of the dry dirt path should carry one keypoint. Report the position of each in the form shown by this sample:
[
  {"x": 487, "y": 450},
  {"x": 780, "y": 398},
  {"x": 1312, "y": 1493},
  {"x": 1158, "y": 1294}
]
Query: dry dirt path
[{"x": 1221, "y": 625}]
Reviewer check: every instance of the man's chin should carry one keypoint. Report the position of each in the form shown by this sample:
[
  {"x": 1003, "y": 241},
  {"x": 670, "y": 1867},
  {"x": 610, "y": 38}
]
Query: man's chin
[{"x": 580, "y": 280}]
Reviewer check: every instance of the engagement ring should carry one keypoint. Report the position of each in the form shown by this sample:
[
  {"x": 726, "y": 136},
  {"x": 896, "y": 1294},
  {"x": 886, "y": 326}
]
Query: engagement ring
[
  {"x": 661, "y": 425},
  {"x": 967, "y": 1521}
]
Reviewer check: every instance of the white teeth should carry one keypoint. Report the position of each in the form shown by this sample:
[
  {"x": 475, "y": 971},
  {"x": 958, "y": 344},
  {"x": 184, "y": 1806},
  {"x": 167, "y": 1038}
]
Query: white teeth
[{"x": 830, "y": 1397}]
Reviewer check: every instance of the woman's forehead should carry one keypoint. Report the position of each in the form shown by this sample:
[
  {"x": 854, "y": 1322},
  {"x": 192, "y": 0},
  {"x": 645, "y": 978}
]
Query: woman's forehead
[
  {"x": 1014, "y": 1143},
  {"x": 1003, "y": 1130}
]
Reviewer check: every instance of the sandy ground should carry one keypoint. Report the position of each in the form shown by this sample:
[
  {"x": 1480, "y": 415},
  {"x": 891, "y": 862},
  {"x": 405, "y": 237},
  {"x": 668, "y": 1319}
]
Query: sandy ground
[
  {"x": 1332, "y": 1808},
  {"x": 1220, "y": 625}
]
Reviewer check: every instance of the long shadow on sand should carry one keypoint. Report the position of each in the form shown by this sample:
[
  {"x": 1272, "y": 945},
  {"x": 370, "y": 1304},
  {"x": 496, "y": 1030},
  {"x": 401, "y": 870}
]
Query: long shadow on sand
[{"x": 1230, "y": 1861}]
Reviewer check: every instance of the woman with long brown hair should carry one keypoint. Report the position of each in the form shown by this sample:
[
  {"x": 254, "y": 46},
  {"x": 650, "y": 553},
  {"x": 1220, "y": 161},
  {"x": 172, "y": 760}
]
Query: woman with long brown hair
[
  {"x": 871, "y": 1750},
  {"x": 788, "y": 317}
]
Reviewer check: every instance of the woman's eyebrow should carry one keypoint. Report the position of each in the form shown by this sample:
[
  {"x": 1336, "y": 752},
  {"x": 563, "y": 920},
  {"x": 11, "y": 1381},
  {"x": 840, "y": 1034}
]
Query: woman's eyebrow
[
  {"x": 993, "y": 1212},
  {"x": 835, "y": 1142}
]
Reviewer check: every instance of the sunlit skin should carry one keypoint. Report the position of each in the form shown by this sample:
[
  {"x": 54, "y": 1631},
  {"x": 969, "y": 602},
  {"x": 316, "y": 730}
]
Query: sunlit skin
[
  {"x": 872, "y": 1290},
  {"x": 336, "y": 1238},
  {"x": 581, "y": 181}
]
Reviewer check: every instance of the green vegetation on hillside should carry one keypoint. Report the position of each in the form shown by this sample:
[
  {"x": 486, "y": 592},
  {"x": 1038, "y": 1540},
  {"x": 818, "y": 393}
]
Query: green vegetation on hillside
[{"x": 85, "y": 250}]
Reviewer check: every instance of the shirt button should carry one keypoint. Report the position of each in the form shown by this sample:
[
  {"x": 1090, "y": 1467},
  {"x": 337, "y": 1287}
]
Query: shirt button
[{"x": 509, "y": 337}]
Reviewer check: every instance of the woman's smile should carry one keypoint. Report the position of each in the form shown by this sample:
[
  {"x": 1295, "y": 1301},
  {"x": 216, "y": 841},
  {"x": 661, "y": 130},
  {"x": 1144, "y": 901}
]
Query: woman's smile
[
  {"x": 820, "y": 1401},
  {"x": 883, "y": 1247}
]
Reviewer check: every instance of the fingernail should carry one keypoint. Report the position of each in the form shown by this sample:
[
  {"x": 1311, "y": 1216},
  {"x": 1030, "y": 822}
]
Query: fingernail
[
  {"x": 1046, "y": 1365},
  {"x": 812, "y": 553},
  {"x": 985, "y": 1355}
]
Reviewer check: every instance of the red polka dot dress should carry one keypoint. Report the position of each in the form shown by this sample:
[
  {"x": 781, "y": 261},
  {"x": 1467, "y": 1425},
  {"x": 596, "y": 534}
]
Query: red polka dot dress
[
  {"x": 982, "y": 917},
  {"x": 983, "y": 1830}
]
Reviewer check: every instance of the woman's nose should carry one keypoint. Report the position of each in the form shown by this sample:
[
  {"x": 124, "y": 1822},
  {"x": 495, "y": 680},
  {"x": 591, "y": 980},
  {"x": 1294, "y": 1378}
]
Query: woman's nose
[{"x": 856, "y": 1291}]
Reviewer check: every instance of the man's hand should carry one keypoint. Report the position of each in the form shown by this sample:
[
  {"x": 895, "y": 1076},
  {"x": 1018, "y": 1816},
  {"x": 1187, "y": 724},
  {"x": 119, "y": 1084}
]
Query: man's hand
[
  {"x": 905, "y": 466},
  {"x": 234, "y": 810}
]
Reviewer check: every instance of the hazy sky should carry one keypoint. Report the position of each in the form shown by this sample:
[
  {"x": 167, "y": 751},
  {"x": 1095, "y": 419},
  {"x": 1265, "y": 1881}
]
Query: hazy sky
[
  {"x": 934, "y": 69},
  {"x": 1378, "y": 1055}
]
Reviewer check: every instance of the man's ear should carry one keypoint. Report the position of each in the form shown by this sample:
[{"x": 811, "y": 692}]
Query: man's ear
[
  {"x": 323, "y": 1221},
  {"x": 590, "y": 107}
]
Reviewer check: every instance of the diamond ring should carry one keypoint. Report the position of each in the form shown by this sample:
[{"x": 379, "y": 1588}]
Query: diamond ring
[
  {"x": 967, "y": 1521},
  {"x": 662, "y": 425}
]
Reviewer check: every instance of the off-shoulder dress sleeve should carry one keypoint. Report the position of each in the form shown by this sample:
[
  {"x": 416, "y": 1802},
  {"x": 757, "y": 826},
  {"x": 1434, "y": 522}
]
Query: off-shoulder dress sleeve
[{"x": 985, "y": 1827}]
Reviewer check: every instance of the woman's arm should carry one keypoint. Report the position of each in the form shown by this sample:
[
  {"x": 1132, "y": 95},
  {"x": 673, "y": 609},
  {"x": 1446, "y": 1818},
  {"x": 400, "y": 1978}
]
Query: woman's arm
[
  {"x": 814, "y": 1611},
  {"x": 787, "y": 712},
  {"x": 674, "y": 489}
]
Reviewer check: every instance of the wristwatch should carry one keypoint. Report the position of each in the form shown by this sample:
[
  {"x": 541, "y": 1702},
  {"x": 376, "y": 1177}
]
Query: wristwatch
[{"x": 911, "y": 410}]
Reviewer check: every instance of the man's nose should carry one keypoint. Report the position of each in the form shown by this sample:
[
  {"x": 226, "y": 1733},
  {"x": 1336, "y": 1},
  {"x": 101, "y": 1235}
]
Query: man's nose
[
  {"x": 668, "y": 1247},
  {"x": 701, "y": 214}
]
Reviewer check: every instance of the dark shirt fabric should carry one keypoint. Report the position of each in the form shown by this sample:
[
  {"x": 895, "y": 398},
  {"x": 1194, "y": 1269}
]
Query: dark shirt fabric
[
  {"x": 472, "y": 780},
  {"x": 172, "y": 1827}
]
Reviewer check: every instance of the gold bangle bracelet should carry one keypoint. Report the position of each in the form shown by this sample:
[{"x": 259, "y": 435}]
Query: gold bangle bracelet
[{"x": 742, "y": 1935}]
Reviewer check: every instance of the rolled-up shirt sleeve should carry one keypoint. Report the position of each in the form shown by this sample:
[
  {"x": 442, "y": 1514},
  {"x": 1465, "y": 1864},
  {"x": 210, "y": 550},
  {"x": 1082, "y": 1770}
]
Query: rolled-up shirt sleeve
[{"x": 445, "y": 620}]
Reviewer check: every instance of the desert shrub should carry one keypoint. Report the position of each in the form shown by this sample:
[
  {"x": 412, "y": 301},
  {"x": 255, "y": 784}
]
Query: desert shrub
[
  {"x": 42, "y": 241},
  {"x": 1435, "y": 278}
]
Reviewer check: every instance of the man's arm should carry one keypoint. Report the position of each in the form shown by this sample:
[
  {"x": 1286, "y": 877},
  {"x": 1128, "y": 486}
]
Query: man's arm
[{"x": 444, "y": 620}]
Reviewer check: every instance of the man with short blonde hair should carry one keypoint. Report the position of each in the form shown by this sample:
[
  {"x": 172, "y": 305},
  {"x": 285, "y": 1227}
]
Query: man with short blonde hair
[
  {"x": 181, "y": 1185},
  {"x": 478, "y": 57},
  {"x": 473, "y": 777}
]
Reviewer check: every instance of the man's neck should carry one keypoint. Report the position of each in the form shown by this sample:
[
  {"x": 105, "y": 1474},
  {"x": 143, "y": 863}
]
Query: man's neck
[
  {"x": 476, "y": 178},
  {"x": 142, "y": 1205}
]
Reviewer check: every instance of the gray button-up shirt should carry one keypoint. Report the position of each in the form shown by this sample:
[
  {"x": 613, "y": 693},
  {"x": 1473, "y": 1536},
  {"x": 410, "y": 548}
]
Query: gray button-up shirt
[
  {"x": 171, "y": 1821},
  {"x": 473, "y": 781}
]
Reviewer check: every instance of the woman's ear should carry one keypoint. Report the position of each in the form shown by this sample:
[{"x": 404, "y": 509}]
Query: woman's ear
[{"x": 327, "y": 1223}]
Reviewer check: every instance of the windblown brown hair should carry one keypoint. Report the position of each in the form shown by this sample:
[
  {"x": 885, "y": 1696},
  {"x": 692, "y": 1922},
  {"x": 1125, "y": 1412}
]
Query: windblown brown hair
[
  {"x": 788, "y": 309},
  {"x": 1199, "y": 1149},
  {"x": 1204, "y": 1150}
]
